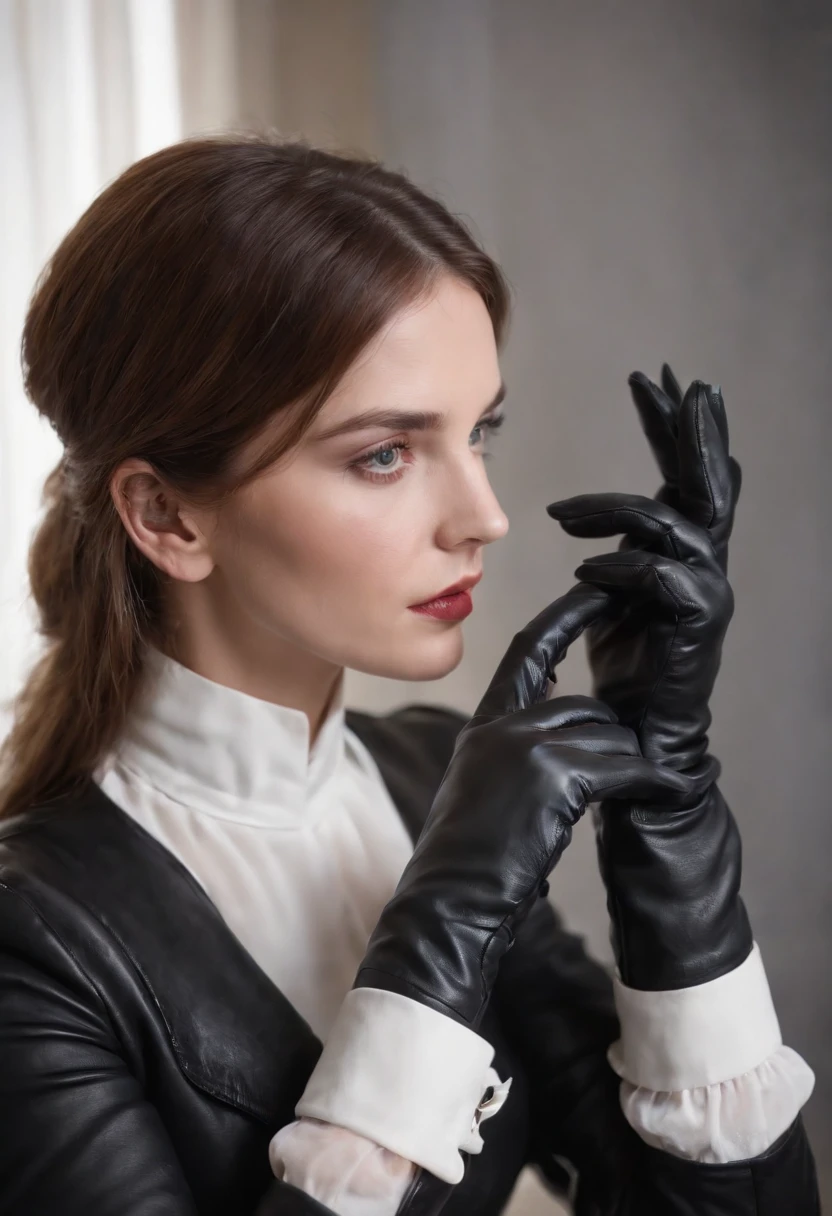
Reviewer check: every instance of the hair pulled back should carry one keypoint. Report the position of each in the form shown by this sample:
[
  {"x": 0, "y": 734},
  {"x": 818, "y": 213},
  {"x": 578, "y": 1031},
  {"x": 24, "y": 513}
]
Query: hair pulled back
[{"x": 210, "y": 285}]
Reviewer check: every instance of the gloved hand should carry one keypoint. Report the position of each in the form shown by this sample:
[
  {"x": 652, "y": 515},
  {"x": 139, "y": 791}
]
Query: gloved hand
[
  {"x": 521, "y": 774},
  {"x": 673, "y": 875},
  {"x": 658, "y": 409},
  {"x": 655, "y": 656}
]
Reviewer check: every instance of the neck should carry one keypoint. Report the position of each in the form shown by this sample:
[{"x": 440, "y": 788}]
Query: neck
[{"x": 258, "y": 662}]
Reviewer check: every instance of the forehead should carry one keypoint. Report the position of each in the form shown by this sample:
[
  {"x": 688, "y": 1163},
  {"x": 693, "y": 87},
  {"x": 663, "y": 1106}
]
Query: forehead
[{"x": 437, "y": 353}]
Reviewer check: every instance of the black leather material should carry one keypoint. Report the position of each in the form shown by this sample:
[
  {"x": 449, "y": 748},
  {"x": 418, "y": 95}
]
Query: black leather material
[
  {"x": 484, "y": 852},
  {"x": 555, "y": 1007},
  {"x": 779, "y": 1182},
  {"x": 146, "y": 1060},
  {"x": 412, "y": 748},
  {"x": 656, "y": 654},
  {"x": 426, "y": 1196},
  {"x": 672, "y": 878},
  {"x": 281, "y": 1199}
]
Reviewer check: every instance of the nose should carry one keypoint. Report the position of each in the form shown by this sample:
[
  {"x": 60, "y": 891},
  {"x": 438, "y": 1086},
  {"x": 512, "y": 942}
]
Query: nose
[{"x": 469, "y": 513}]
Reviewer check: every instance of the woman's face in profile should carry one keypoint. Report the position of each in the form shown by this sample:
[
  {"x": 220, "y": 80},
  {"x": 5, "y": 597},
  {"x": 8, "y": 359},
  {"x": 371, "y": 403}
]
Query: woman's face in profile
[{"x": 368, "y": 516}]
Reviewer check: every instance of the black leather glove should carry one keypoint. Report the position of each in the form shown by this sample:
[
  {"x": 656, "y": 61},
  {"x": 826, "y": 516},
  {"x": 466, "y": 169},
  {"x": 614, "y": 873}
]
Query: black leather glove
[
  {"x": 521, "y": 774},
  {"x": 658, "y": 409},
  {"x": 672, "y": 876},
  {"x": 655, "y": 656}
]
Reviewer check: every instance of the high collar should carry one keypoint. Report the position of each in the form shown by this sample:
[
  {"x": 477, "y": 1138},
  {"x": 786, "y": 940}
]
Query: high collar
[{"x": 225, "y": 752}]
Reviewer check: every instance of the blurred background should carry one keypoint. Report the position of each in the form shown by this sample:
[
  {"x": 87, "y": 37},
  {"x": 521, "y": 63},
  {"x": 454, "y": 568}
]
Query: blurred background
[{"x": 656, "y": 180}]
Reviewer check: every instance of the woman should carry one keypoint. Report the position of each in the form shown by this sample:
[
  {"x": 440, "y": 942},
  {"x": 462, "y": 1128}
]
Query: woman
[{"x": 230, "y": 983}]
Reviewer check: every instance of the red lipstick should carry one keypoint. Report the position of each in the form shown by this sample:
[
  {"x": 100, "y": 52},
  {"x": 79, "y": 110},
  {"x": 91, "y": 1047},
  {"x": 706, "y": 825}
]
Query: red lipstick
[{"x": 452, "y": 604}]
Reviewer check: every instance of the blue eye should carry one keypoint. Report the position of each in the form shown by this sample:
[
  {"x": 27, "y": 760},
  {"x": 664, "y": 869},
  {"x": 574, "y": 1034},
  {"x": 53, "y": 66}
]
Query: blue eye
[
  {"x": 385, "y": 457},
  {"x": 387, "y": 462},
  {"x": 381, "y": 457}
]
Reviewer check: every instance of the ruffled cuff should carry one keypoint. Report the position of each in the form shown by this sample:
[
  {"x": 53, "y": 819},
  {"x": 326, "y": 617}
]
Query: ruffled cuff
[
  {"x": 347, "y": 1173},
  {"x": 705, "y": 1075},
  {"x": 731, "y": 1121}
]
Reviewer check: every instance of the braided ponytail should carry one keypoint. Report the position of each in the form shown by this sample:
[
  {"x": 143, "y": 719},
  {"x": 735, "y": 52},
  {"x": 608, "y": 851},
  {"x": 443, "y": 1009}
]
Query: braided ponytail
[{"x": 93, "y": 604}]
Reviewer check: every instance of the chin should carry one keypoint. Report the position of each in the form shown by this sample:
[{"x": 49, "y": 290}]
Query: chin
[{"x": 418, "y": 658}]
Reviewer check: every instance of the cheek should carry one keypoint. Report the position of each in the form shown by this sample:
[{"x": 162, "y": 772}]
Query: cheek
[
  {"x": 350, "y": 552},
  {"x": 334, "y": 572}
]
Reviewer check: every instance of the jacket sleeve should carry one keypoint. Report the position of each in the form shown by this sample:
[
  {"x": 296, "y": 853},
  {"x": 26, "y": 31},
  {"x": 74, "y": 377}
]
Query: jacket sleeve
[
  {"x": 557, "y": 1006},
  {"x": 77, "y": 1135}
]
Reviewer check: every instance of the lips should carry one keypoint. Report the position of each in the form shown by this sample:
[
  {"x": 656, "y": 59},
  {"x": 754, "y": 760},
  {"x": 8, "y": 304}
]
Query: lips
[
  {"x": 452, "y": 604},
  {"x": 464, "y": 584}
]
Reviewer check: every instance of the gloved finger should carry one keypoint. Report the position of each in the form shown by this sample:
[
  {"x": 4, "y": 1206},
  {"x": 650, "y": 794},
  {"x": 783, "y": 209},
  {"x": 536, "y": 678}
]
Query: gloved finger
[
  {"x": 563, "y": 713},
  {"x": 721, "y": 535},
  {"x": 705, "y": 483},
  {"x": 717, "y": 404},
  {"x": 659, "y": 421},
  {"x": 645, "y": 520},
  {"x": 668, "y": 494},
  {"x": 630, "y": 777},
  {"x": 652, "y": 577},
  {"x": 671, "y": 386},
  {"x": 523, "y": 673},
  {"x": 736, "y": 479},
  {"x": 610, "y": 740}
]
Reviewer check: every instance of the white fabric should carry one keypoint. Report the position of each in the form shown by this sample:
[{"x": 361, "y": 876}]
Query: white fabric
[
  {"x": 730, "y": 1121},
  {"x": 687, "y": 1037},
  {"x": 430, "y": 1072},
  {"x": 352, "y": 1174},
  {"x": 300, "y": 851},
  {"x": 346, "y": 1172},
  {"x": 704, "y": 1071}
]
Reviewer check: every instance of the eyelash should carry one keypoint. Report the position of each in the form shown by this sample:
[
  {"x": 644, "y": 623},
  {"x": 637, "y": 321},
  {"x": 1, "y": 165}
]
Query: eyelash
[{"x": 362, "y": 466}]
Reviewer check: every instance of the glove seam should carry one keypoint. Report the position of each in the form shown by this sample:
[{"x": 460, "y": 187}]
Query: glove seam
[{"x": 698, "y": 428}]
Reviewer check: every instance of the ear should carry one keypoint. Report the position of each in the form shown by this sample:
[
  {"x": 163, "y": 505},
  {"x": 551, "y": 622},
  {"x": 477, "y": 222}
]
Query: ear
[{"x": 167, "y": 529}]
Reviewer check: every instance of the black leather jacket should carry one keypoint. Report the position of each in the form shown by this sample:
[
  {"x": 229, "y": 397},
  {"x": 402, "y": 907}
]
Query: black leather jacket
[{"x": 146, "y": 1060}]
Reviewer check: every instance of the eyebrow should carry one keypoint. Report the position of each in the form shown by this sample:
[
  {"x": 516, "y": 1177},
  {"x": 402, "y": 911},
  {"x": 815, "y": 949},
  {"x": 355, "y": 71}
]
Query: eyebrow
[{"x": 400, "y": 420}]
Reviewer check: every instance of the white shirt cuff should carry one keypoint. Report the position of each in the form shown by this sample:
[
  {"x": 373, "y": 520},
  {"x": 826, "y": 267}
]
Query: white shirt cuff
[
  {"x": 407, "y": 1077},
  {"x": 691, "y": 1037}
]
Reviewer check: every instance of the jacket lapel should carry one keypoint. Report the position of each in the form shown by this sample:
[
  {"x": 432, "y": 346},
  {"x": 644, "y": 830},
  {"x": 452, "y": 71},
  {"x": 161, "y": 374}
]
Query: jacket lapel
[{"x": 235, "y": 1035}]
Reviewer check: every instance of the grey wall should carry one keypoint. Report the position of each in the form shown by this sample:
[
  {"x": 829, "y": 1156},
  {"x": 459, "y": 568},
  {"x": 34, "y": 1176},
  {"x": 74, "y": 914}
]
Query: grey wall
[{"x": 655, "y": 179}]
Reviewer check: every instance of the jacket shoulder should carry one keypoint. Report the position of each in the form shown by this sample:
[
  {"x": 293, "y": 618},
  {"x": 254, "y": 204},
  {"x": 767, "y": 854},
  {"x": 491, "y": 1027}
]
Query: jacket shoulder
[
  {"x": 42, "y": 970},
  {"x": 52, "y": 861},
  {"x": 62, "y": 853},
  {"x": 33, "y": 845}
]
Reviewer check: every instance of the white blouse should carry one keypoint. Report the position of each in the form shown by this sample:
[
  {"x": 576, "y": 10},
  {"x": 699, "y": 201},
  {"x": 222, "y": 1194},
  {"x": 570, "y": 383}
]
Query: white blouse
[{"x": 300, "y": 850}]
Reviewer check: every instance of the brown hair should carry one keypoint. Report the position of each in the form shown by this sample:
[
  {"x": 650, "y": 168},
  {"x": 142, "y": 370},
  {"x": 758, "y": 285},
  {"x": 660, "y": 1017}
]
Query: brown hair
[{"x": 210, "y": 285}]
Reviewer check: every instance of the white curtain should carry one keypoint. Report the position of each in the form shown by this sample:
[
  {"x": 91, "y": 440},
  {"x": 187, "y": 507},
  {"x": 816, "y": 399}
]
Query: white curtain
[{"x": 86, "y": 88}]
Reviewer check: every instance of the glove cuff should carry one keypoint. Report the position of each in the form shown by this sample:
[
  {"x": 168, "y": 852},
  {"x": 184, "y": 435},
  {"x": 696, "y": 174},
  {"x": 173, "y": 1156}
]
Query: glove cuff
[{"x": 673, "y": 881}]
